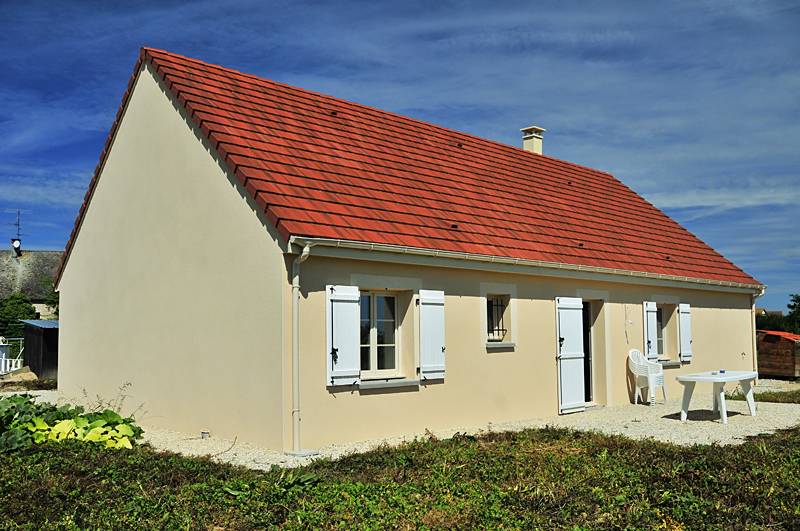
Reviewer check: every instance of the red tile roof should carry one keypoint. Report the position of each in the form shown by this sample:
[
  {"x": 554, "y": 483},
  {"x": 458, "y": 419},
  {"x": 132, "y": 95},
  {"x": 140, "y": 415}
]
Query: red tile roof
[
  {"x": 328, "y": 168},
  {"x": 786, "y": 335}
]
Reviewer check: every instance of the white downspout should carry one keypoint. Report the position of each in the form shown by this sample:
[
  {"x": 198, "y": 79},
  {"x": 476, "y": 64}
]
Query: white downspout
[
  {"x": 753, "y": 328},
  {"x": 296, "y": 353}
]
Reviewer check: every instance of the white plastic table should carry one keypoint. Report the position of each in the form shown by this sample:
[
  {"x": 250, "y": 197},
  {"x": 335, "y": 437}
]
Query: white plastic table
[{"x": 745, "y": 378}]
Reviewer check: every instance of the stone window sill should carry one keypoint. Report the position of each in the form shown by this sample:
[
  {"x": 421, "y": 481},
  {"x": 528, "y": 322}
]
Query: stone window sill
[
  {"x": 497, "y": 344},
  {"x": 387, "y": 383}
]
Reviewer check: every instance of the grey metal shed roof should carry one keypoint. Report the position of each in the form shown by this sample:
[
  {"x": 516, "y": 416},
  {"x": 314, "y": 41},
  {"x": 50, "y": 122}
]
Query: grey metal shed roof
[{"x": 41, "y": 323}]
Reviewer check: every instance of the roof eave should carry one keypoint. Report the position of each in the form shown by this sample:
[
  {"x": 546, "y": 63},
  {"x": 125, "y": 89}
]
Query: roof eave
[{"x": 388, "y": 252}]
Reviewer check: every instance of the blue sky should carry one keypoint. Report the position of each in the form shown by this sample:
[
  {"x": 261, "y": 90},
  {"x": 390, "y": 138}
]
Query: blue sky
[{"x": 695, "y": 105}]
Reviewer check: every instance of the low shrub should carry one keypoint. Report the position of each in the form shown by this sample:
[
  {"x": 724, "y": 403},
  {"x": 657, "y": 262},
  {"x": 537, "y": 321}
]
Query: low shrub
[{"x": 24, "y": 422}]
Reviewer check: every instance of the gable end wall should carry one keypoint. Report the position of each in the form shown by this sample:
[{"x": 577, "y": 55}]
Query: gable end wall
[{"x": 175, "y": 283}]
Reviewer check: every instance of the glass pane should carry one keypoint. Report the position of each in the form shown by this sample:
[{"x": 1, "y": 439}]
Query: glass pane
[
  {"x": 385, "y": 332},
  {"x": 385, "y": 358},
  {"x": 365, "y": 358},
  {"x": 365, "y": 332},
  {"x": 490, "y": 317},
  {"x": 495, "y": 310},
  {"x": 365, "y": 307},
  {"x": 385, "y": 307}
]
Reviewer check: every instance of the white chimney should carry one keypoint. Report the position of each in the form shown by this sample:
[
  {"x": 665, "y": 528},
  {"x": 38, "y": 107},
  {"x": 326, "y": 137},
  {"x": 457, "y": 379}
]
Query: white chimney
[
  {"x": 16, "y": 248},
  {"x": 532, "y": 139}
]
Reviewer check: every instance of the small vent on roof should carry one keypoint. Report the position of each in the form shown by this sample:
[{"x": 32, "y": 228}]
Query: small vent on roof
[
  {"x": 453, "y": 225},
  {"x": 459, "y": 144},
  {"x": 668, "y": 258},
  {"x": 334, "y": 113},
  {"x": 580, "y": 245}
]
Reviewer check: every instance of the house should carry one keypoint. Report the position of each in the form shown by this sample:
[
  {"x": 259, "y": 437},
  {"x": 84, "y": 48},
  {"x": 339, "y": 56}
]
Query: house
[
  {"x": 778, "y": 354},
  {"x": 298, "y": 271},
  {"x": 29, "y": 273}
]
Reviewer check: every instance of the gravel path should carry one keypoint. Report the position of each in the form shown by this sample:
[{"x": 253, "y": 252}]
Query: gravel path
[
  {"x": 41, "y": 396},
  {"x": 661, "y": 422}
]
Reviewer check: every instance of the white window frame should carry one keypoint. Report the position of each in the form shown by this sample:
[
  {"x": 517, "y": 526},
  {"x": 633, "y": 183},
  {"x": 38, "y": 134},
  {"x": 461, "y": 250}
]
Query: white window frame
[{"x": 374, "y": 372}]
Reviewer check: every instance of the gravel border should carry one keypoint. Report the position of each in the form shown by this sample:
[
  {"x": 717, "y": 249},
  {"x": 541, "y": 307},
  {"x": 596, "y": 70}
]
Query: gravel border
[
  {"x": 661, "y": 422},
  {"x": 41, "y": 396}
]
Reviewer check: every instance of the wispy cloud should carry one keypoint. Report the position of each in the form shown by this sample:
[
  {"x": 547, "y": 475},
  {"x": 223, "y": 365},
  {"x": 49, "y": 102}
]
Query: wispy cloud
[
  {"x": 770, "y": 193},
  {"x": 50, "y": 191}
]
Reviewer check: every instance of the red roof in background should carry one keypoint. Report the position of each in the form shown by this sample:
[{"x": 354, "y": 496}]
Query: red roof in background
[
  {"x": 327, "y": 168},
  {"x": 786, "y": 335}
]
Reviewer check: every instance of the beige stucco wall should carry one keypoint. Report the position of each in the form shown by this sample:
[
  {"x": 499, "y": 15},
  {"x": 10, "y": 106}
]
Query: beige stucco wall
[
  {"x": 175, "y": 284},
  {"x": 487, "y": 386}
]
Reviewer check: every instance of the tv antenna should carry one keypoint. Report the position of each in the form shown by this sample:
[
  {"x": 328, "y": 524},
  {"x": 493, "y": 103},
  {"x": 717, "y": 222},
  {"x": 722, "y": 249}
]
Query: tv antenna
[{"x": 17, "y": 223}]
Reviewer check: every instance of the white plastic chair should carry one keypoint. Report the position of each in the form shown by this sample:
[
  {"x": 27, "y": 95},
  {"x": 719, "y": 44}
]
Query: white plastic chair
[{"x": 647, "y": 374}]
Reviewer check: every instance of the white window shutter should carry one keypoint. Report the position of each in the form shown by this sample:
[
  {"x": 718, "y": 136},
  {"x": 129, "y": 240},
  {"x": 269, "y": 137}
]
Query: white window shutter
[
  {"x": 685, "y": 331},
  {"x": 342, "y": 322},
  {"x": 650, "y": 331},
  {"x": 431, "y": 334}
]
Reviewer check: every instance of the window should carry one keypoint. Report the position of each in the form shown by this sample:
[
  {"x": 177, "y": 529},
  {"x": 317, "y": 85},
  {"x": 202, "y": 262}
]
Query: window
[
  {"x": 667, "y": 331},
  {"x": 496, "y": 328},
  {"x": 378, "y": 320},
  {"x": 373, "y": 334}
]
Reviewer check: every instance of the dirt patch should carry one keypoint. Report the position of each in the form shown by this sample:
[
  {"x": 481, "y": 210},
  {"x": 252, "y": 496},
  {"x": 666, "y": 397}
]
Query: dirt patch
[{"x": 26, "y": 381}]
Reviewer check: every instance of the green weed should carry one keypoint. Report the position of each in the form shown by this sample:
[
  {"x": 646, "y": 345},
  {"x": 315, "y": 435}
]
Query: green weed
[
  {"x": 782, "y": 397},
  {"x": 536, "y": 479}
]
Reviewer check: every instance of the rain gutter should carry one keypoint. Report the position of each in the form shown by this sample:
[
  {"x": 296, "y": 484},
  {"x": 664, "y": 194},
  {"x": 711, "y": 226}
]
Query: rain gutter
[{"x": 500, "y": 260}]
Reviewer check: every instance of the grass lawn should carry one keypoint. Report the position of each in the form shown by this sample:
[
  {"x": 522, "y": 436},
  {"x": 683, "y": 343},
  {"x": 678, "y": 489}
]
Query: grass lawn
[
  {"x": 536, "y": 479},
  {"x": 783, "y": 397}
]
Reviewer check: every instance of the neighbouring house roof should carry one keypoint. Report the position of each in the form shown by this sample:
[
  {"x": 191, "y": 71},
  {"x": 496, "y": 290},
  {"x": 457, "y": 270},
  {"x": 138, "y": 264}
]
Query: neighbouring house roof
[
  {"x": 786, "y": 335},
  {"x": 321, "y": 167},
  {"x": 24, "y": 274}
]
